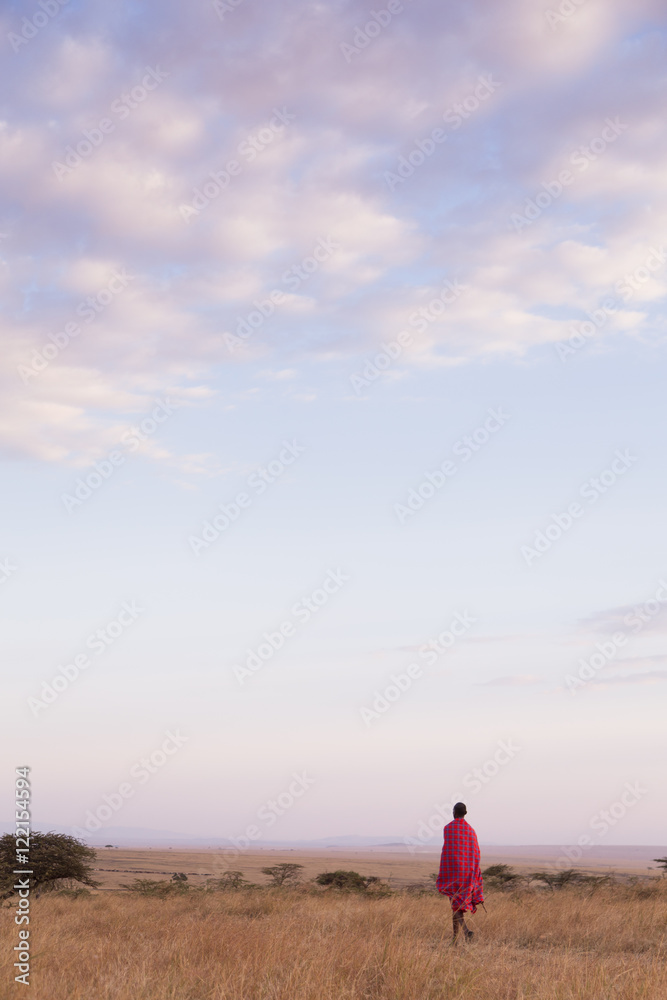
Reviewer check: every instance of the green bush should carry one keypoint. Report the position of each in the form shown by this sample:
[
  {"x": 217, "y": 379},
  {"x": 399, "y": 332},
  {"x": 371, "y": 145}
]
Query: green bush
[
  {"x": 161, "y": 889},
  {"x": 56, "y": 860},
  {"x": 569, "y": 877},
  {"x": 419, "y": 889},
  {"x": 228, "y": 882},
  {"x": 501, "y": 877},
  {"x": 348, "y": 881}
]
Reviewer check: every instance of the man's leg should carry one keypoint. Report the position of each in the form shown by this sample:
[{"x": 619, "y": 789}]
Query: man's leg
[{"x": 458, "y": 922}]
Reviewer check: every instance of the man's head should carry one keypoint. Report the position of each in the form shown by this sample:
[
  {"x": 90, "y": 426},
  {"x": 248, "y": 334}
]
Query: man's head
[{"x": 459, "y": 810}]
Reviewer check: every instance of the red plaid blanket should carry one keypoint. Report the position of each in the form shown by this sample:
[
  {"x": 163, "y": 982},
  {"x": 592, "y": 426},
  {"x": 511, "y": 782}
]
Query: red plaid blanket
[{"x": 460, "y": 877}]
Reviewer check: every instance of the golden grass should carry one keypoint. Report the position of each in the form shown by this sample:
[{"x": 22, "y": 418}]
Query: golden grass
[
  {"x": 400, "y": 868},
  {"x": 291, "y": 945},
  {"x": 397, "y": 866}
]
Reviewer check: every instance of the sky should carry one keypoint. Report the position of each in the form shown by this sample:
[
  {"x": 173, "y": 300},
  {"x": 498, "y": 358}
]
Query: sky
[{"x": 332, "y": 417}]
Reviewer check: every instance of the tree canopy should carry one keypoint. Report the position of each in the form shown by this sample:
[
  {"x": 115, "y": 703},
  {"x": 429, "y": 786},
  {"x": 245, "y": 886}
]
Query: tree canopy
[
  {"x": 55, "y": 858},
  {"x": 286, "y": 873}
]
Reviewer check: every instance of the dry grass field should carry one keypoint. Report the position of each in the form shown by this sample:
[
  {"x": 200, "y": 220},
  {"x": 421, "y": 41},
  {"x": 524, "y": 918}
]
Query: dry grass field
[
  {"x": 396, "y": 865},
  {"x": 267, "y": 944}
]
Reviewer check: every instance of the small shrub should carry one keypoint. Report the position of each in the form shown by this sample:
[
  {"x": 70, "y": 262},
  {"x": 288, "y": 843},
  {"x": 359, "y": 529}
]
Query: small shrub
[
  {"x": 569, "y": 877},
  {"x": 228, "y": 882},
  {"x": 639, "y": 888},
  {"x": 419, "y": 889},
  {"x": 501, "y": 877},
  {"x": 348, "y": 881},
  {"x": 161, "y": 889}
]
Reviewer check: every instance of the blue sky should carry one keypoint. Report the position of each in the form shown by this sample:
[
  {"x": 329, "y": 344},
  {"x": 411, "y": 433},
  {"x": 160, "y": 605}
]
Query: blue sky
[{"x": 351, "y": 398}]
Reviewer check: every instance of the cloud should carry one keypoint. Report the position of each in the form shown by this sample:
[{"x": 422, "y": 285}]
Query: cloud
[
  {"x": 318, "y": 172},
  {"x": 648, "y": 678},
  {"x": 515, "y": 637},
  {"x": 611, "y": 674},
  {"x": 284, "y": 374},
  {"x": 647, "y": 616},
  {"x": 639, "y": 662},
  {"x": 513, "y": 680}
]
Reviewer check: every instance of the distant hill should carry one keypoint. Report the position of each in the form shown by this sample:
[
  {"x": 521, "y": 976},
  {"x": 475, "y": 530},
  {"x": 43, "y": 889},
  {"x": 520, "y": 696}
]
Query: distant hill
[
  {"x": 143, "y": 837},
  {"x": 130, "y": 836}
]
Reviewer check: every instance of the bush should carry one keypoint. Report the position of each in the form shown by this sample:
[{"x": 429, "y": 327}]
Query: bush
[
  {"x": 419, "y": 889},
  {"x": 639, "y": 888},
  {"x": 150, "y": 887},
  {"x": 568, "y": 877},
  {"x": 501, "y": 877},
  {"x": 56, "y": 861},
  {"x": 229, "y": 881},
  {"x": 349, "y": 881}
]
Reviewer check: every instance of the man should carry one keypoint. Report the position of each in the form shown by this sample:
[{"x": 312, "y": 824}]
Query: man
[{"x": 460, "y": 876}]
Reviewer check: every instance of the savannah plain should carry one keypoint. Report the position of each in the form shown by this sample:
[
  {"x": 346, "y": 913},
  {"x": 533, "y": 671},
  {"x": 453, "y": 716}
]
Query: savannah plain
[{"x": 601, "y": 942}]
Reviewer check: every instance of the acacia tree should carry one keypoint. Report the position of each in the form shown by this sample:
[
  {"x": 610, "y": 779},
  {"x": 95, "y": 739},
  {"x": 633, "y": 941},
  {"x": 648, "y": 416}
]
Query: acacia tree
[
  {"x": 55, "y": 858},
  {"x": 663, "y": 864},
  {"x": 229, "y": 880},
  {"x": 286, "y": 873}
]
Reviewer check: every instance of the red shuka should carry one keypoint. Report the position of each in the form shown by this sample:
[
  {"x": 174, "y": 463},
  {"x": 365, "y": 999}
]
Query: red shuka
[{"x": 460, "y": 876}]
